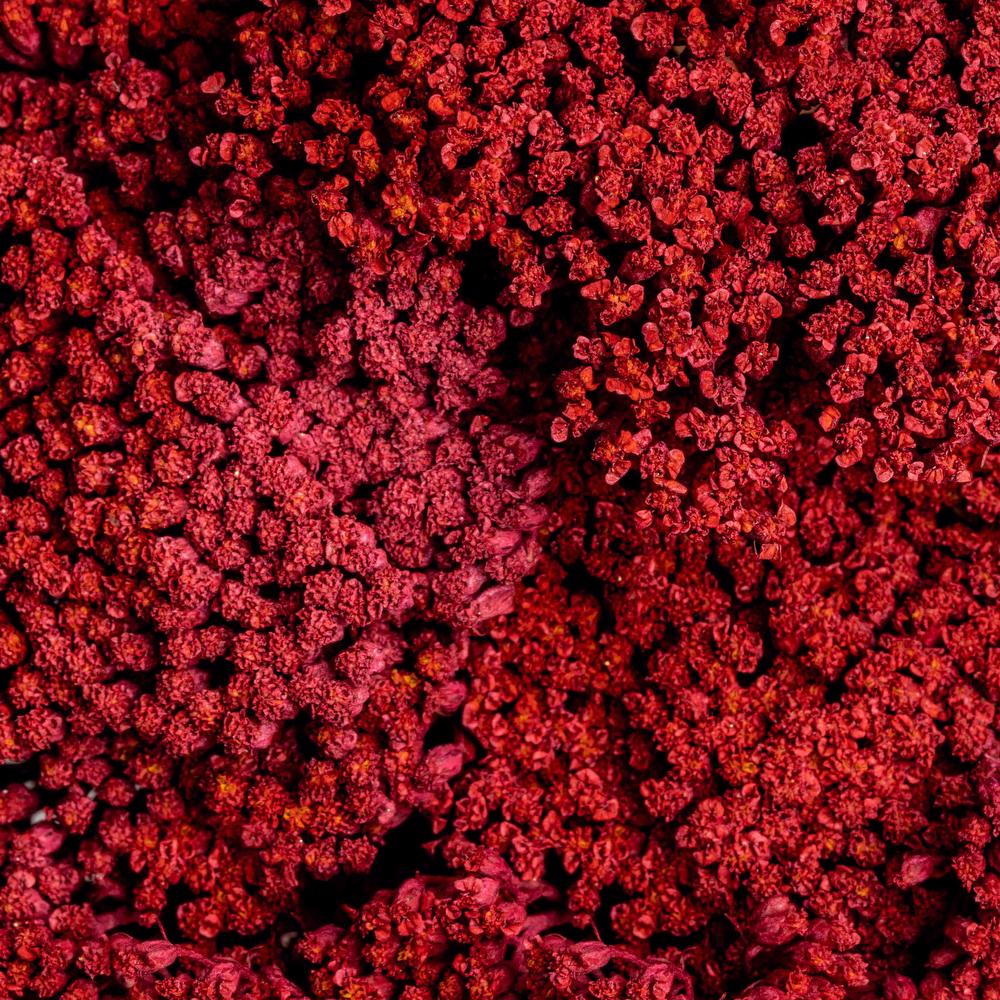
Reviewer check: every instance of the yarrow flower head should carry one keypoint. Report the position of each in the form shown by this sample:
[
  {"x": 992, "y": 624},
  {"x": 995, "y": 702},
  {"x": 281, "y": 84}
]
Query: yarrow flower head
[{"x": 497, "y": 499}]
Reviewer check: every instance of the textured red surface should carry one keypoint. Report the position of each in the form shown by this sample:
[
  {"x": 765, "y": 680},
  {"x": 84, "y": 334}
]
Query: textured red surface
[{"x": 498, "y": 500}]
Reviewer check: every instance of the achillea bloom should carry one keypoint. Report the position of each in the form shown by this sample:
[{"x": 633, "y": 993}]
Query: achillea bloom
[{"x": 497, "y": 498}]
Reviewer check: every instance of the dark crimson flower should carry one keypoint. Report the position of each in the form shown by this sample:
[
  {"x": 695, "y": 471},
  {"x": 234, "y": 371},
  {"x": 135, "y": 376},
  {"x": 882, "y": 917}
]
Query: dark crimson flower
[{"x": 497, "y": 499}]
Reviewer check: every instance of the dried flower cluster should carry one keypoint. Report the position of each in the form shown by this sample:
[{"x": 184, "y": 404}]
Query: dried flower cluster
[{"x": 498, "y": 500}]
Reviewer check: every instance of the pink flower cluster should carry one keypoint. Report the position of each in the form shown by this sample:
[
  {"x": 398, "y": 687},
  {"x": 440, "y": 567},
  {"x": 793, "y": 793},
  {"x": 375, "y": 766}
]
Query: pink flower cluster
[{"x": 497, "y": 500}]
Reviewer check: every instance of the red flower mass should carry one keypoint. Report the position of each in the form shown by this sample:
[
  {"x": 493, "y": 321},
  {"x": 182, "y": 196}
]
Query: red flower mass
[{"x": 499, "y": 500}]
